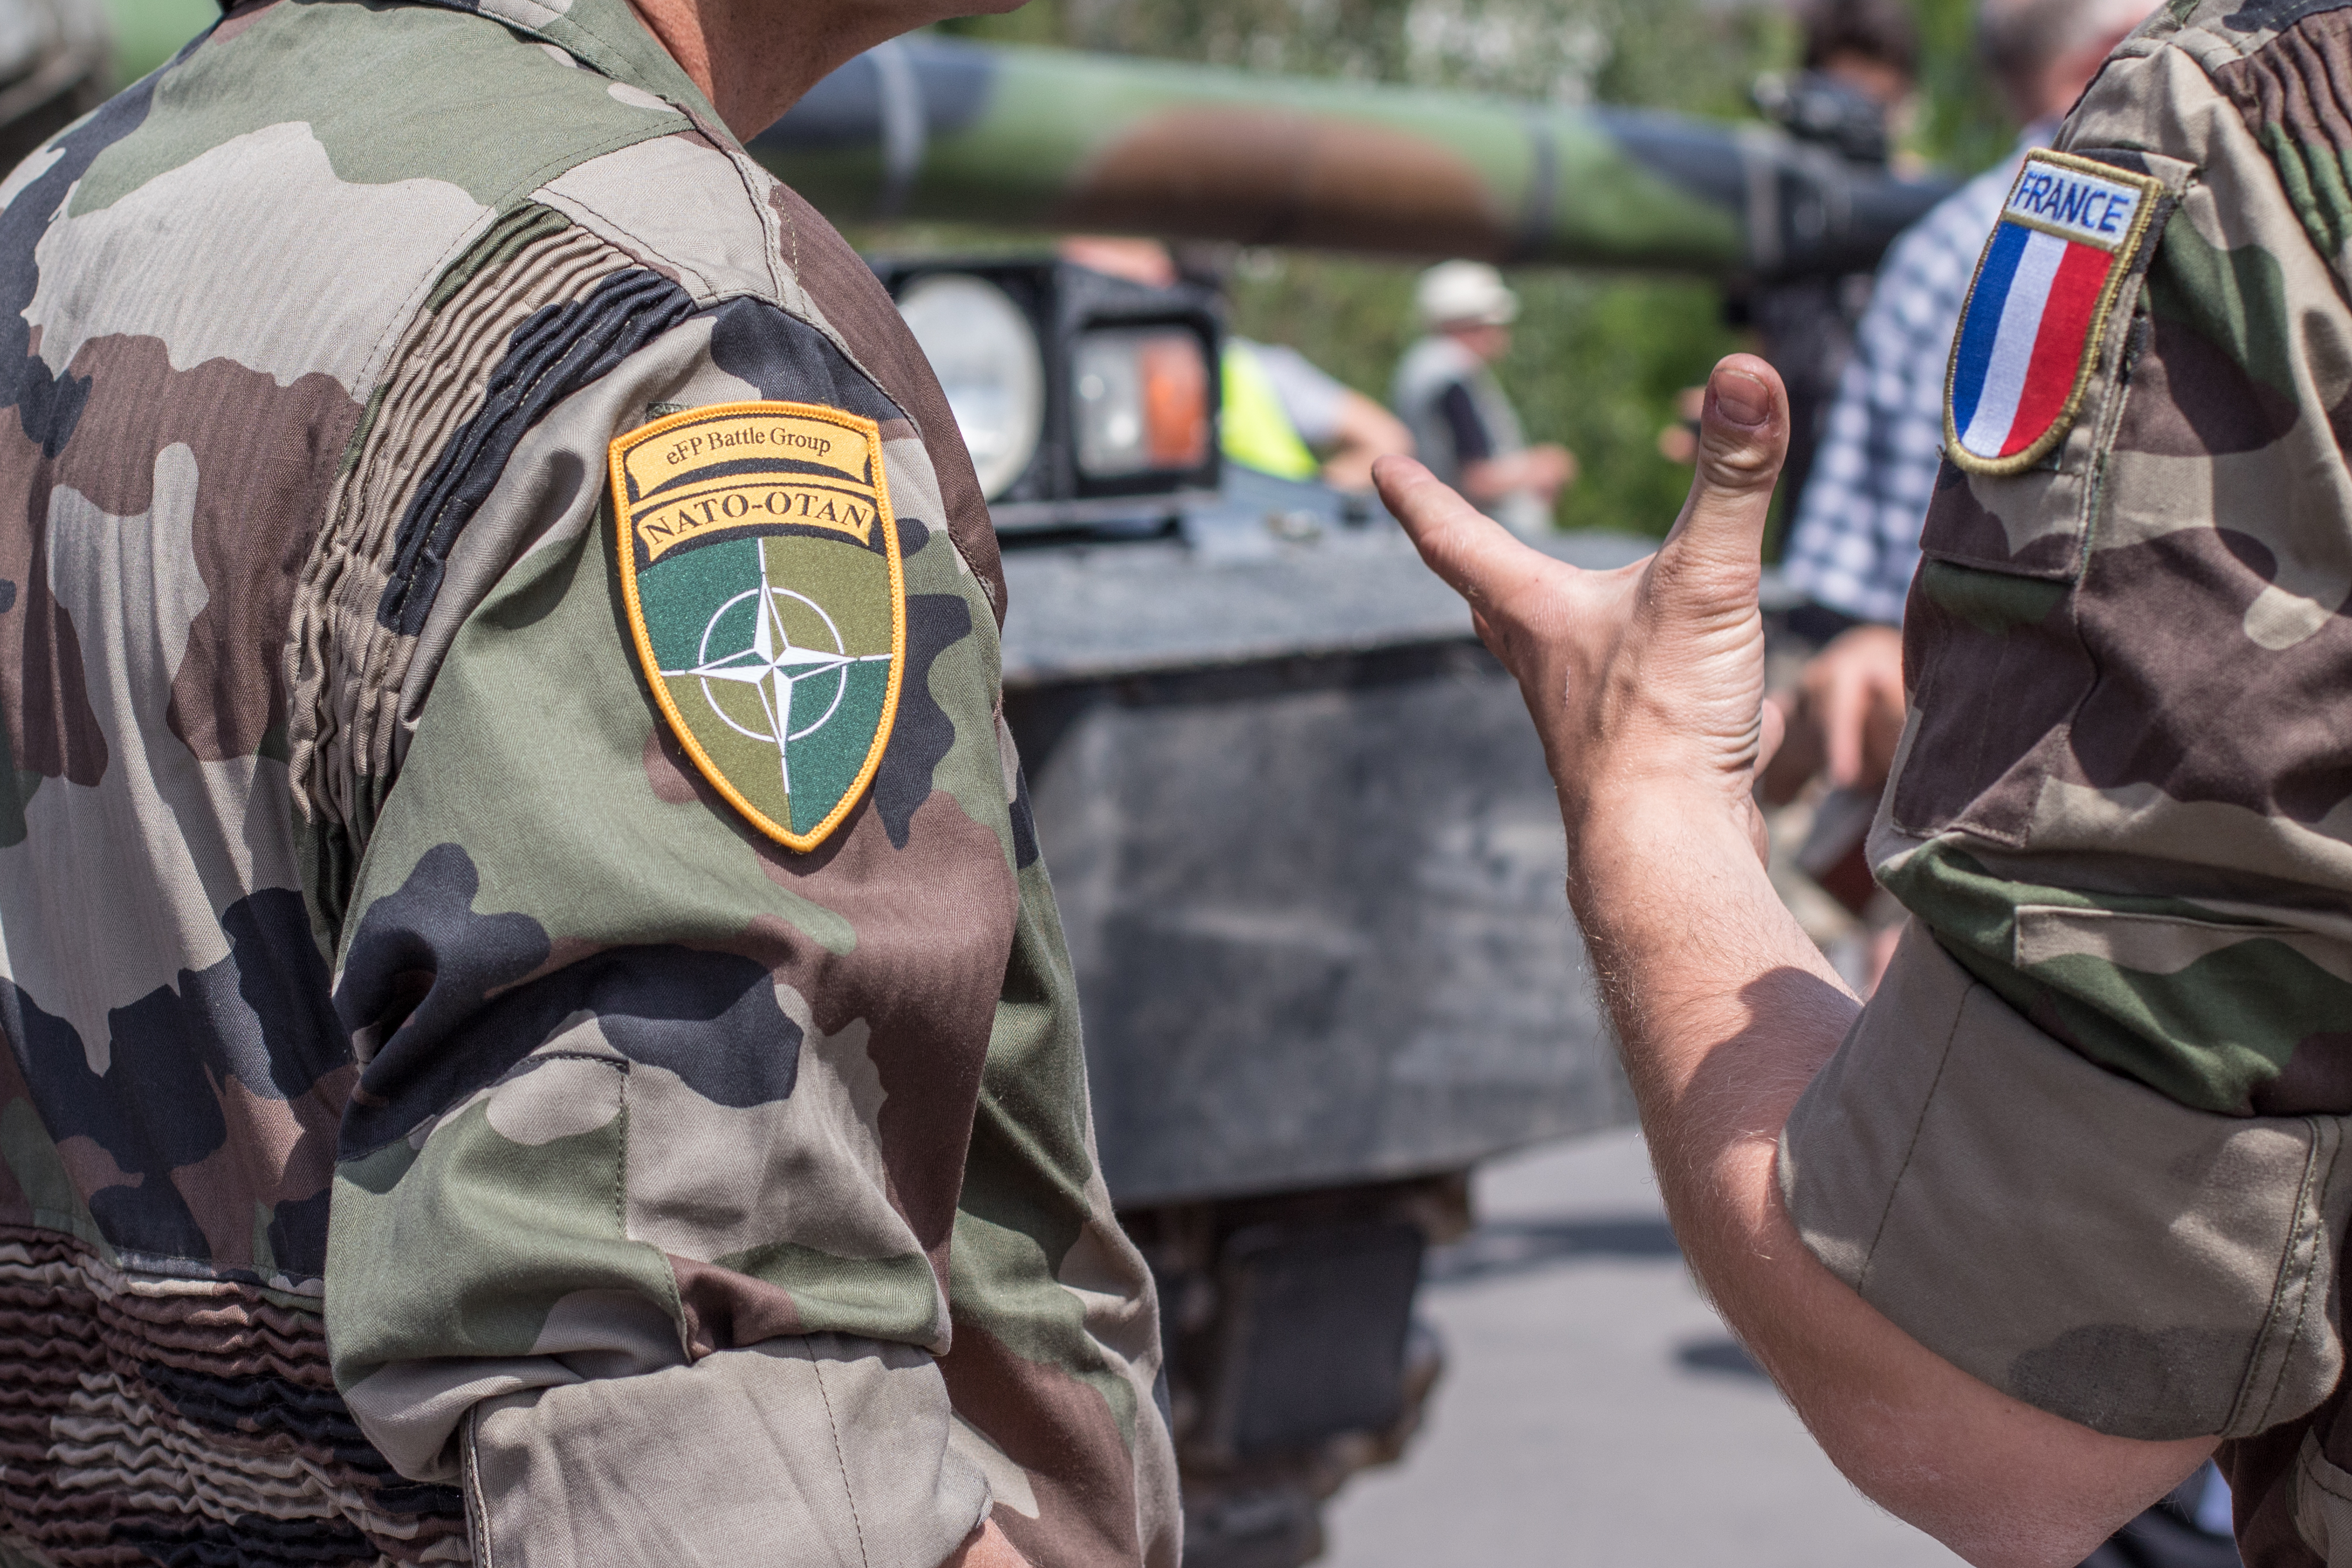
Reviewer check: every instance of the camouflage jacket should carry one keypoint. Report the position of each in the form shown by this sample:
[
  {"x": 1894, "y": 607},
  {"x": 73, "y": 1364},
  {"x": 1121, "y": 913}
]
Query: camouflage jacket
[
  {"x": 456, "y": 1106},
  {"x": 2088, "y": 1140}
]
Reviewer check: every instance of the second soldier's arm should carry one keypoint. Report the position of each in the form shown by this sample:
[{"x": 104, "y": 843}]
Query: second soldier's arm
[
  {"x": 1645, "y": 686},
  {"x": 2061, "y": 1207}
]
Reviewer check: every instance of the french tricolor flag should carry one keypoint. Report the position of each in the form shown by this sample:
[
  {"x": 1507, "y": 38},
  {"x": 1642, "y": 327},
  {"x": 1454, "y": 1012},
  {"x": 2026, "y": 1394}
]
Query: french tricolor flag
[{"x": 2034, "y": 316}]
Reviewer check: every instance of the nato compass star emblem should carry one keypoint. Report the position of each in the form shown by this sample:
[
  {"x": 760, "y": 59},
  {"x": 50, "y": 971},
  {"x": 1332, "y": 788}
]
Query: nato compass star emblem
[
  {"x": 760, "y": 565},
  {"x": 772, "y": 667}
]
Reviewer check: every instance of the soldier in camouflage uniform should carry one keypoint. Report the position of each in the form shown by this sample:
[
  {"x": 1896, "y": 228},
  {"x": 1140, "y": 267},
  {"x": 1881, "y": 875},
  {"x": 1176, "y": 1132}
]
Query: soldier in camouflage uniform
[
  {"x": 2073, "y": 1189},
  {"x": 537, "y": 1030}
]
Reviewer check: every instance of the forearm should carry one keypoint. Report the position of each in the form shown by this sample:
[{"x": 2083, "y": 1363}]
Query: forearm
[
  {"x": 1725, "y": 1011},
  {"x": 1349, "y": 465},
  {"x": 1646, "y": 685},
  {"x": 1488, "y": 479},
  {"x": 1367, "y": 433}
]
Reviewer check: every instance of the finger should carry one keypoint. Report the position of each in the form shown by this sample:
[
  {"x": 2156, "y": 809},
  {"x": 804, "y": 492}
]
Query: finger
[
  {"x": 1476, "y": 555},
  {"x": 1843, "y": 701},
  {"x": 1882, "y": 732},
  {"x": 1743, "y": 438},
  {"x": 1770, "y": 733}
]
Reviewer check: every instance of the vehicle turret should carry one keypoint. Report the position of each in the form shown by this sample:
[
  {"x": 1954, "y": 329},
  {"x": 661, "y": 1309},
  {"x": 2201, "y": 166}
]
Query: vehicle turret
[{"x": 942, "y": 129}]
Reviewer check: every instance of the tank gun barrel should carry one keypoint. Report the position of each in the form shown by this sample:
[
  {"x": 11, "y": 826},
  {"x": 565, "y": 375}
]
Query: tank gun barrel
[{"x": 939, "y": 129}]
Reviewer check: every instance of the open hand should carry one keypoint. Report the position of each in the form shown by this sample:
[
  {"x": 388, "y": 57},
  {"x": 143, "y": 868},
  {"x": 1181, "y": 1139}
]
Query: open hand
[
  {"x": 1853, "y": 691},
  {"x": 1646, "y": 684}
]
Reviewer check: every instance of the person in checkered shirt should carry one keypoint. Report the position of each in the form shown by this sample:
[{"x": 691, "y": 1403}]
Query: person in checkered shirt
[
  {"x": 1856, "y": 539},
  {"x": 1855, "y": 542}
]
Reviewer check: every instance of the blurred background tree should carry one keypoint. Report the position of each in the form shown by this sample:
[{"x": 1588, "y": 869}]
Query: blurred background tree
[{"x": 1598, "y": 358}]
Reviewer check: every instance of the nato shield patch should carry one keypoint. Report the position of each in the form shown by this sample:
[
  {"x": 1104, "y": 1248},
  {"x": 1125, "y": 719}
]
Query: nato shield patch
[
  {"x": 761, "y": 569},
  {"x": 2037, "y": 312}
]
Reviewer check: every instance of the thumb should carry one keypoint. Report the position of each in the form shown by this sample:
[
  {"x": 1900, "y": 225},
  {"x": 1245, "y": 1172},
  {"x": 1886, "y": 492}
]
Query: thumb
[{"x": 1743, "y": 438}]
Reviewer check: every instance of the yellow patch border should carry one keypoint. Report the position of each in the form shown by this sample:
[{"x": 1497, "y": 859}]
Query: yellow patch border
[
  {"x": 624, "y": 549},
  {"x": 2126, "y": 255}
]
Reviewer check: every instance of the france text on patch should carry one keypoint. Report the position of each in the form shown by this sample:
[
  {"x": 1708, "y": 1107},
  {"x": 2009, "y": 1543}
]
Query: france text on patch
[
  {"x": 760, "y": 566},
  {"x": 2037, "y": 313},
  {"x": 2096, "y": 209}
]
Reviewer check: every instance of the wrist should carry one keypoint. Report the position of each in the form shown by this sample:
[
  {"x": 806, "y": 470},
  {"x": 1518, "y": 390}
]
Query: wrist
[
  {"x": 1641, "y": 816},
  {"x": 1694, "y": 948},
  {"x": 1651, "y": 861}
]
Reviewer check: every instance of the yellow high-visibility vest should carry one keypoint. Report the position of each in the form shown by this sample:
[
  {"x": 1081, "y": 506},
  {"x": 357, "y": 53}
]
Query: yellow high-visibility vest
[{"x": 1253, "y": 429}]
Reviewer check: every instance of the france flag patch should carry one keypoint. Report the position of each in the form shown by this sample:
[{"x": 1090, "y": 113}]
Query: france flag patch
[{"x": 2037, "y": 312}]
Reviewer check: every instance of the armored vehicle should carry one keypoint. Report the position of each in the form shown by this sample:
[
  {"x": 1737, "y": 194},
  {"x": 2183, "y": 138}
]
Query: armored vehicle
[{"x": 1305, "y": 846}]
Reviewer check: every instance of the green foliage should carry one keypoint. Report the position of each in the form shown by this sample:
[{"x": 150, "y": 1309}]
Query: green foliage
[
  {"x": 1690, "y": 55},
  {"x": 1602, "y": 361},
  {"x": 1963, "y": 126},
  {"x": 1693, "y": 58},
  {"x": 149, "y": 32},
  {"x": 1599, "y": 359}
]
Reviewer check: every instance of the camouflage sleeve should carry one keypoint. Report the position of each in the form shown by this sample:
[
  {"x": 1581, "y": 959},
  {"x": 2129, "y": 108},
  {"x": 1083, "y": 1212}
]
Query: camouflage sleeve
[
  {"x": 2086, "y": 1141},
  {"x": 692, "y": 920}
]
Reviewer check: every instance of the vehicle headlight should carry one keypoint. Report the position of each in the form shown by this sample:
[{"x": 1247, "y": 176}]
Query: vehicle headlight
[
  {"x": 1143, "y": 401},
  {"x": 985, "y": 351}
]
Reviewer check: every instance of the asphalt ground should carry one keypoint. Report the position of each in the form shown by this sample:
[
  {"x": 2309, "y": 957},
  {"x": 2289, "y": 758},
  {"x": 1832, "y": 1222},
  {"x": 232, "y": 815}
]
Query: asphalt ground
[{"x": 1594, "y": 1410}]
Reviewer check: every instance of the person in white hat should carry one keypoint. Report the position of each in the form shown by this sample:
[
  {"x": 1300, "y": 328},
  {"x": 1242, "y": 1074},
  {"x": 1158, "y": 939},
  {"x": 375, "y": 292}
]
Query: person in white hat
[{"x": 1463, "y": 425}]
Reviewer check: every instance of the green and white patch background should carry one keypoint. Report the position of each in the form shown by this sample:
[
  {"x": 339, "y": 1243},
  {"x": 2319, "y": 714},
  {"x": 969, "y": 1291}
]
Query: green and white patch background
[{"x": 788, "y": 727}]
